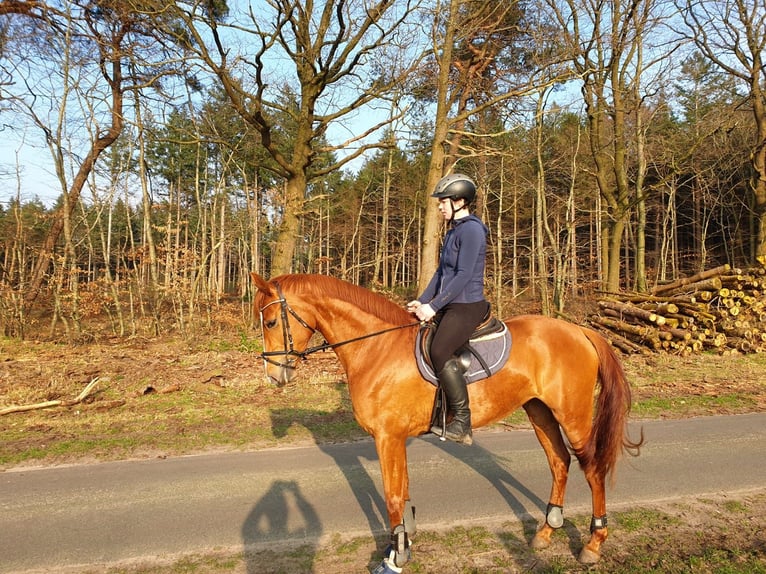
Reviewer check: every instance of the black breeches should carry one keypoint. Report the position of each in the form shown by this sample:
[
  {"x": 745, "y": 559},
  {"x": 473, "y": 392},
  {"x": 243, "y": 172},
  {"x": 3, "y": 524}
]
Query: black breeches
[{"x": 457, "y": 321}]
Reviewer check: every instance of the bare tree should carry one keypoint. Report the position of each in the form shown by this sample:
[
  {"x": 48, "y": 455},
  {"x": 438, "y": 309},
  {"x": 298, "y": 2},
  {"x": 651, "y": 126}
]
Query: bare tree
[
  {"x": 732, "y": 35},
  {"x": 482, "y": 50},
  {"x": 604, "y": 40},
  {"x": 344, "y": 56},
  {"x": 100, "y": 37}
]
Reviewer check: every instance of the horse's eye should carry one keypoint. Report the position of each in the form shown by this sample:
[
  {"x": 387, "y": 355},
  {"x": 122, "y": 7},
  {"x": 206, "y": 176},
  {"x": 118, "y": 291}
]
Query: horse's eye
[{"x": 270, "y": 324}]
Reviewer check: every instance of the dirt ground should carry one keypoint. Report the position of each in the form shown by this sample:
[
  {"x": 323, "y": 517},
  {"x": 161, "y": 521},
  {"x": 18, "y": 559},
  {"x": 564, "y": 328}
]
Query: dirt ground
[{"x": 203, "y": 373}]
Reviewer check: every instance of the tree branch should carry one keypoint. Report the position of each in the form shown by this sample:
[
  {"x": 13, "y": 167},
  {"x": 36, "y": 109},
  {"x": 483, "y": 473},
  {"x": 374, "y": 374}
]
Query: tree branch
[{"x": 47, "y": 404}]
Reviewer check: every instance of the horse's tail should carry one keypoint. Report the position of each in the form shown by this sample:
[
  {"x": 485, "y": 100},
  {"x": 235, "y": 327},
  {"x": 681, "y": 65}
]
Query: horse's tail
[{"x": 609, "y": 435}]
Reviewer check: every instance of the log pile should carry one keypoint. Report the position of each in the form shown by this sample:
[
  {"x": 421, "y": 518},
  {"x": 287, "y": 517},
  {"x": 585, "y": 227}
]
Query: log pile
[{"x": 721, "y": 310}]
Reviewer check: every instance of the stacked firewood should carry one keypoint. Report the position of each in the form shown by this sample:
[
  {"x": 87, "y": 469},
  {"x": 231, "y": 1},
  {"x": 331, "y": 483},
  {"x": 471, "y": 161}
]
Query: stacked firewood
[{"x": 721, "y": 309}]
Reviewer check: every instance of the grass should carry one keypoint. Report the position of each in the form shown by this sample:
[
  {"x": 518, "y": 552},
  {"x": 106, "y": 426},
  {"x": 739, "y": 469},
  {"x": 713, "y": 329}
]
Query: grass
[
  {"x": 643, "y": 541},
  {"x": 194, "y": 564},
  {"x": 657, "y": 407},
  {"x": 177, "y": 423}
]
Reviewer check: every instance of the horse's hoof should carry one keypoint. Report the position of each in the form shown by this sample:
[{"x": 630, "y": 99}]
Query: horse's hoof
[
  {"x": 587, "y": 556},
  {"x": 539, "y": 542}
]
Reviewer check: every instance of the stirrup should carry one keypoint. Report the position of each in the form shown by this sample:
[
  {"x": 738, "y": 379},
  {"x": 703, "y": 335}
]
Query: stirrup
[
  {"x": 463, "y": 438},
  {"x": 438, "y": 430}
]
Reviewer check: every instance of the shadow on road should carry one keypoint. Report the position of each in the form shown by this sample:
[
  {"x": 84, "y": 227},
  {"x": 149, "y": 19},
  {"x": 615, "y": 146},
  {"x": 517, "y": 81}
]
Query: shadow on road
[
  {"x": 282, "y": 513},
  {"x": 493, "y": 469},
  {"x": 365, "y": 490},
  {"x": 350, "y": 464}
]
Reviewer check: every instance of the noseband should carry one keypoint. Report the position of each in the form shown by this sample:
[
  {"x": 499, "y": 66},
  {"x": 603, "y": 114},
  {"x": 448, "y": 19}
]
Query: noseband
[{"x": 289, "y": 348}]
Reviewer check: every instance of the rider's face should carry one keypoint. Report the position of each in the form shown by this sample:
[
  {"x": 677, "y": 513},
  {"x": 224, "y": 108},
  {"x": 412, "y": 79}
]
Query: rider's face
[{"x": 447, "y": 208}]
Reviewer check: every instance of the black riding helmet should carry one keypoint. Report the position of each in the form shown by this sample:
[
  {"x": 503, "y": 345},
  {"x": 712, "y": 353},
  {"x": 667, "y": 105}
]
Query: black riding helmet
[{"x": 455, "y": 186}]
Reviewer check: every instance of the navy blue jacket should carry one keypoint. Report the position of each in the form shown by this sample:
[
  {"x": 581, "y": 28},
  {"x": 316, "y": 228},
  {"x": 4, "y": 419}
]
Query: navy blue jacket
[{"x": 460, "y": 276}]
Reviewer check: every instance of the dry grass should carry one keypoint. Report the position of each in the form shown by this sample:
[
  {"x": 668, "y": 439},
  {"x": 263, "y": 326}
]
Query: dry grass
[{"x": 167, "y": 397}]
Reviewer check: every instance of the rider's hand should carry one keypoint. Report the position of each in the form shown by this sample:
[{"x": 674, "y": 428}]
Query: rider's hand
[
  {"x": 425, "y": 312},
  {"x": 413, "y": 306}
]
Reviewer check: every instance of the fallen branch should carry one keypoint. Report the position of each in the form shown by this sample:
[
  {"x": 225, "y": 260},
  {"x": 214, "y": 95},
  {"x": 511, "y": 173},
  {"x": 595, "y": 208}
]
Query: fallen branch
[{"x": 47, "y": 404}]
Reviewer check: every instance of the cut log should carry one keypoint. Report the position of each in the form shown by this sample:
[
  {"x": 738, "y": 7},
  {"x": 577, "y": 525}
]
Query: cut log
[
  {"x": 633, "y": 311},
  {"x": 622, "y": 343},
  {"x": 686, "y": 281}
]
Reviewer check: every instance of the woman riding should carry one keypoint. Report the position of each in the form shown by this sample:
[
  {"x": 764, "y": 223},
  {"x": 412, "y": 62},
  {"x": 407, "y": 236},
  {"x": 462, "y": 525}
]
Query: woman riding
[{"x": 455, "y": 297}]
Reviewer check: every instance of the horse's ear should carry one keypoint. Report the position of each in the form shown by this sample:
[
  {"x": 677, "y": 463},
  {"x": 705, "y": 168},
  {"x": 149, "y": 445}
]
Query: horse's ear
[{"x": 261, "y": 284}]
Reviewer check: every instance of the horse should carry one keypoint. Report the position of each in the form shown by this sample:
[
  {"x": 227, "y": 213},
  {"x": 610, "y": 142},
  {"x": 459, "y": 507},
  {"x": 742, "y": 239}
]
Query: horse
[{"x": 554, "y": 371}]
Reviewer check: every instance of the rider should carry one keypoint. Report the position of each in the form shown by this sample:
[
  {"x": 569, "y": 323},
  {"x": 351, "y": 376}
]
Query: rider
[{"x": 455, "y": 295}]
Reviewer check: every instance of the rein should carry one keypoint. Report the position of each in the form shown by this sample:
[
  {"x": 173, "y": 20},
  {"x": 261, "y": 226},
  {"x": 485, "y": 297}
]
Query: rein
[
  {"x": 290, "y": 350},
  {"x": 324, "y": 346}
]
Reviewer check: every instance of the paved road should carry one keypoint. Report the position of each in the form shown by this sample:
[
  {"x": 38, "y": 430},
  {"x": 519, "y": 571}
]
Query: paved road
[{"x": 105, "y": 513}]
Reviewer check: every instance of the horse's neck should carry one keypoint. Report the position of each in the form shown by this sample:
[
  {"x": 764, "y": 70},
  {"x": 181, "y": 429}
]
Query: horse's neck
[
  {"x": 355, "y": 333},
  {"x": 340, "y": 321}
]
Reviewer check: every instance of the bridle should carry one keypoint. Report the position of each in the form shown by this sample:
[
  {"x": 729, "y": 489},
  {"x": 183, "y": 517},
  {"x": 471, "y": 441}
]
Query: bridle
[
  {"x": 289, "y": 349},
  {"x": 287, "y": 336}
]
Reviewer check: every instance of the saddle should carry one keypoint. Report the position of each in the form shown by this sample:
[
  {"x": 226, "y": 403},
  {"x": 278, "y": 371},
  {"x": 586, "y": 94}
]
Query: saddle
[{"x": 484, "y": 354}]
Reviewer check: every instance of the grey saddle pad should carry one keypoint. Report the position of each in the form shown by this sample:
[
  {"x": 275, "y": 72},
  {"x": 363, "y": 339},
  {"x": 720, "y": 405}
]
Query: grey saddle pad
[{"x": 494, "y": 348}]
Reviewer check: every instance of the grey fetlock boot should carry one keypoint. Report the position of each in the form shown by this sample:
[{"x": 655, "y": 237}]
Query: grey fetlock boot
[{"x": 453, "y": 382}]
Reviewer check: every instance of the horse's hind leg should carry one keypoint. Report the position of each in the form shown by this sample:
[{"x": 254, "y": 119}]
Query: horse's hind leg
[
  {"x": 596, "y": 478},
  {"x": 591, "y": 552},
  {"x": 549, "y": 434}
]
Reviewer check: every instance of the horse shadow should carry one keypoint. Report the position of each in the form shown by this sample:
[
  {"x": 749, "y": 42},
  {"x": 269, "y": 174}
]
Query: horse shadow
[
  {"x": 350, "y": 464},
  {"x": 486, "y": 464},
  {"x": 270, "y": 519},
  {"x": 493, "y": 468},
  {"x": 282, "y": 513}
]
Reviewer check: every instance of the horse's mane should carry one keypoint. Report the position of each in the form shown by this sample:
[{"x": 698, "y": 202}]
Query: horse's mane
[{"x": 368, "y": 301}]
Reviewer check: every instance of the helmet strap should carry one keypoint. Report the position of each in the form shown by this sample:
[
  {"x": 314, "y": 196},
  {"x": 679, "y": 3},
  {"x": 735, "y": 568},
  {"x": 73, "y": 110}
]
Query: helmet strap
[{"x": 454, "y": 209}]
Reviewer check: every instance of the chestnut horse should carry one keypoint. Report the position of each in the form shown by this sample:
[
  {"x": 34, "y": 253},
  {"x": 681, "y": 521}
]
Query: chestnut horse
[{"x": 552, "y": 372}]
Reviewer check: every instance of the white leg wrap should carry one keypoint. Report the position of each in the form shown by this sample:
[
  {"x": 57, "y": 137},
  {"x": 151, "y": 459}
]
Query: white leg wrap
[{"x": 554, "y": 516}]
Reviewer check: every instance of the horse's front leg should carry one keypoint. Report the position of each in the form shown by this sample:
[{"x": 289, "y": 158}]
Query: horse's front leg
[{"x": 392, "y": 454}]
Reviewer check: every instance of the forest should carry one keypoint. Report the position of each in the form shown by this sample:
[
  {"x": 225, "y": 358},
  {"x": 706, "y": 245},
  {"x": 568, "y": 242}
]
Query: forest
[{"x": 618, "y": 146}]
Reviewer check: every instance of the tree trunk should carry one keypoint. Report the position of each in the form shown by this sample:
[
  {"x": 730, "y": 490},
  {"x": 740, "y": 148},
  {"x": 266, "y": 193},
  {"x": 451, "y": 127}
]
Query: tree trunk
[
  {"x": 287, "y": 233},
  {"x": 432, "y": 233},
  {"x": 541, "y": 224},
  {"x": 100, "y": 143}
]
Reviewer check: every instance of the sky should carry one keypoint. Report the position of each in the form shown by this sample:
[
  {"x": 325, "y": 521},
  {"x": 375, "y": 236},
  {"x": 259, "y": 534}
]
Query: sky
[
  {"x": 26, "y": 170},
  {"x": 26, "y": 166}
]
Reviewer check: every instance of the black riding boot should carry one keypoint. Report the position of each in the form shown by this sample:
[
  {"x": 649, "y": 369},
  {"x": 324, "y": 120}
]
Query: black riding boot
[{"x": 453, "y": 382}]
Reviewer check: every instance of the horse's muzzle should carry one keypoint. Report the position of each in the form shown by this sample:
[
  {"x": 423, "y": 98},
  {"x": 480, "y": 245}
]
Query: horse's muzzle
[{"x": 280, "y": 375}]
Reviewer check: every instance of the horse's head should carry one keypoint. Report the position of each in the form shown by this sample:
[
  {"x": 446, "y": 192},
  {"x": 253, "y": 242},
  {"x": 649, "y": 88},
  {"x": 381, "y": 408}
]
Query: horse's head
[{"x": 285, "y": 332}]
